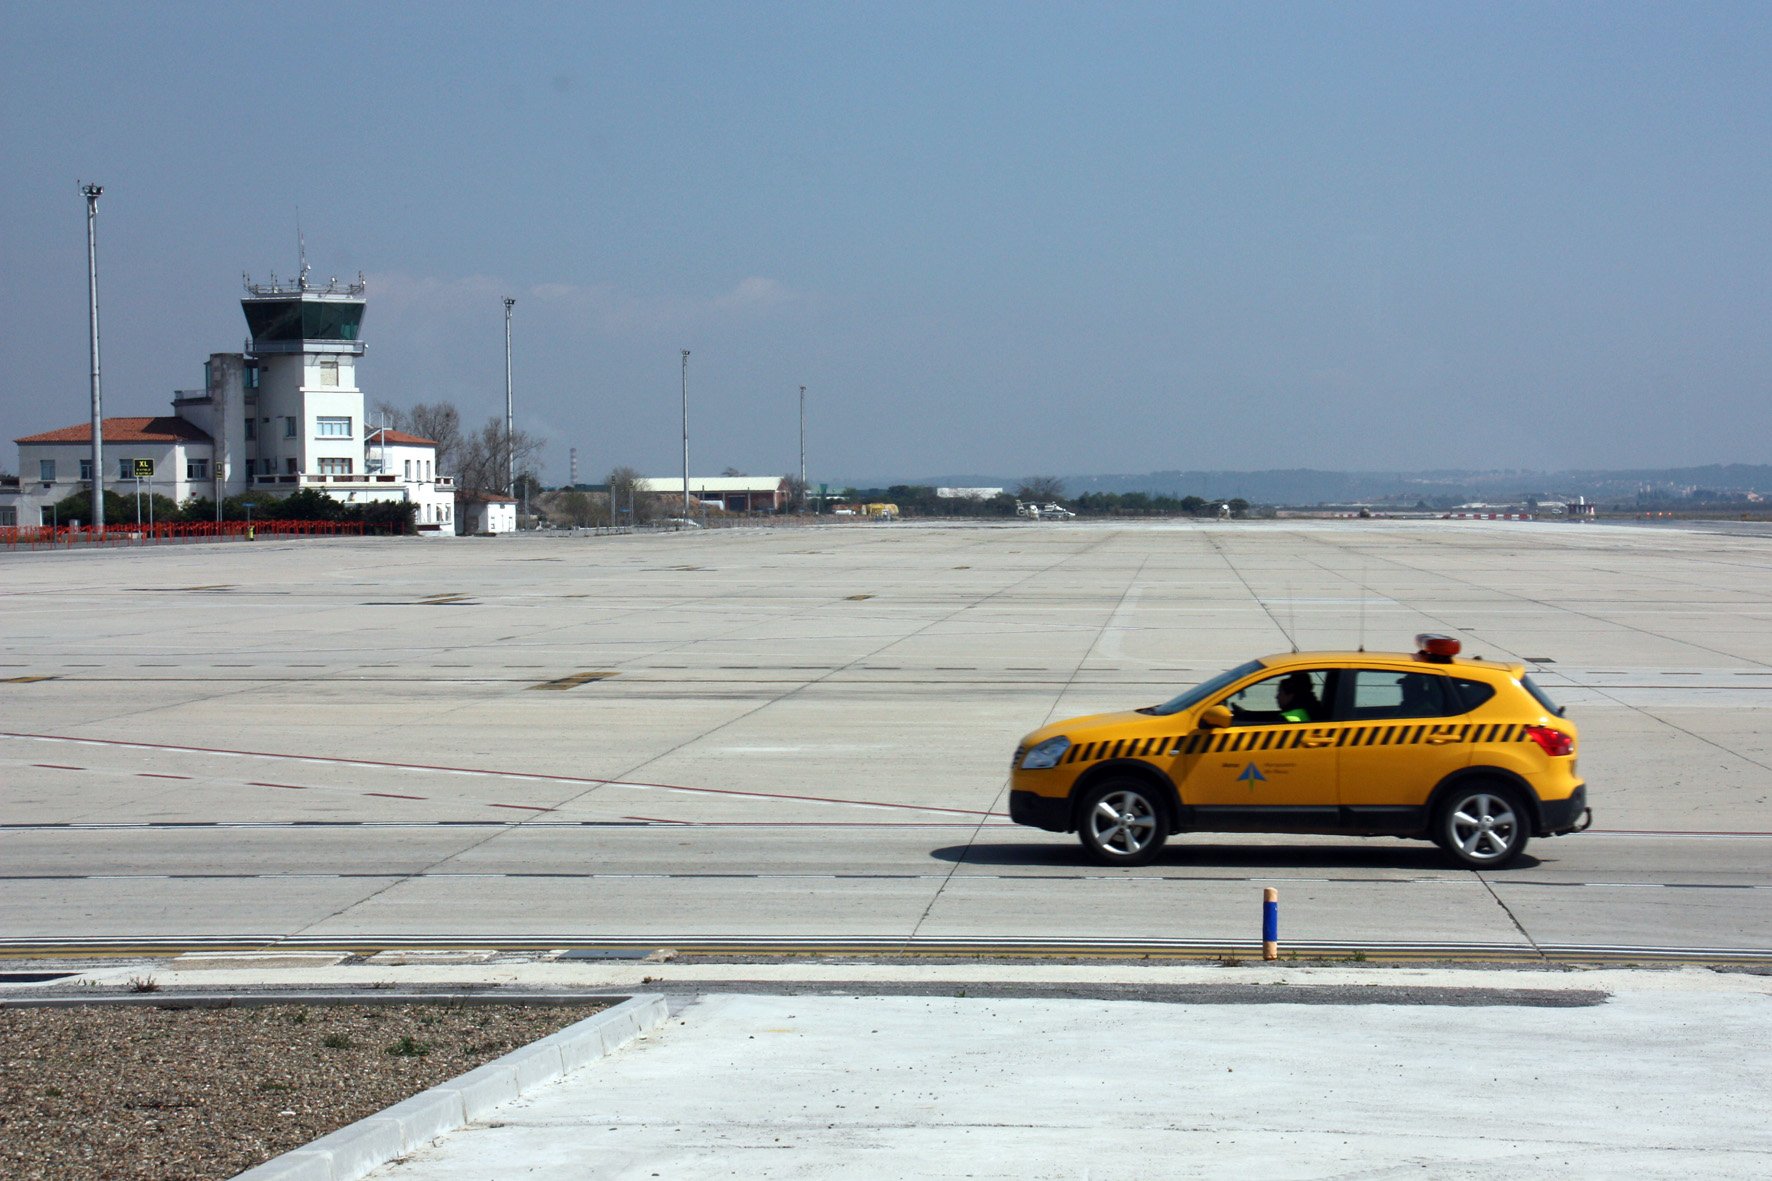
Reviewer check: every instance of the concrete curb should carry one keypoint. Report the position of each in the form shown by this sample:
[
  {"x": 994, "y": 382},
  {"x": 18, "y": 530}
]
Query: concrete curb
[{"x": 353, "y": 1151}]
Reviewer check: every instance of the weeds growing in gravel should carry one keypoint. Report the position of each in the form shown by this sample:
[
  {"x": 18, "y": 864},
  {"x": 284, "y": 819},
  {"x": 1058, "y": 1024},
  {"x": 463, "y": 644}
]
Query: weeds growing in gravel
[{"x": 407, "y": 1047}]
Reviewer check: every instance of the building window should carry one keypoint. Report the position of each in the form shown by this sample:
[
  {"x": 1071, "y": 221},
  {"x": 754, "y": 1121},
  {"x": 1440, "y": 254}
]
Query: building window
[
  {"x": 333, "y": 428},
  {"x": 335, "y": 467},
  {"x": 409, "y": 471},
  {"x": 85, "y": 470},
  {"x": 252, "y": 430},
  {"x": 289, "y": 466},
  {"x": 289, "y": 426},
  {"x": 126, "y": 469},
  {"x": 196, "y": 469},
  {"x": 46, "y": 470},
  {"x": 329, "y": 371}
]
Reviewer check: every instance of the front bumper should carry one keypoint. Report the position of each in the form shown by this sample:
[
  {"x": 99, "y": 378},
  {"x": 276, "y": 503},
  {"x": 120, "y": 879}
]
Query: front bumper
[
  {"x": 1557, "y": 817},
  {"x": 1052, "y": 813}
]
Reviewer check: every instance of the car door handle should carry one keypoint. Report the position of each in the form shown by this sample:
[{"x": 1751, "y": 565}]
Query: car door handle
[
  {"x": 1440, "y": 739},
  {"x": 1314, "y": 741}
]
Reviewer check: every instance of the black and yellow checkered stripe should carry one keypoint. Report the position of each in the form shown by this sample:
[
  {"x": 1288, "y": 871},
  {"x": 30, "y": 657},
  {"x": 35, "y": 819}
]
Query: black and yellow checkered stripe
[{"x": 1259, "y": 738}]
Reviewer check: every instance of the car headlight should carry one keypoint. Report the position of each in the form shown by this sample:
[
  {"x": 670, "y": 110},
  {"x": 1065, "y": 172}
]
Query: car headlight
[{"x": 1046, "y": 754}]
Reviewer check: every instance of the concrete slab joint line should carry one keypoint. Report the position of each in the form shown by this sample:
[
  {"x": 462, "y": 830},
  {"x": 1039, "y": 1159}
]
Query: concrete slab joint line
[{"x": 354, "y": 1151}]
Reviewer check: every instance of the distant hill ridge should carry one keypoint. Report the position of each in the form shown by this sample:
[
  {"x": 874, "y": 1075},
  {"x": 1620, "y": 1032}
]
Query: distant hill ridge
[{"x": 1310, "y": 486}]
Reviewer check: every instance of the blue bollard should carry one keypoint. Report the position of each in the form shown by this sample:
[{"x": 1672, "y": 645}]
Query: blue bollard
[{"x": 1270, "y": 924}]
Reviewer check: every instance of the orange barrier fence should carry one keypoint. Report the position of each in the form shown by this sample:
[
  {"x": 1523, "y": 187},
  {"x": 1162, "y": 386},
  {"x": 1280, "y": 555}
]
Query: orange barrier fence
[{"x": 15, "y": 536}]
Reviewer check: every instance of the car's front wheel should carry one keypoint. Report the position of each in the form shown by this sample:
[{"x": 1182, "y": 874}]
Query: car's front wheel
[
  {"x": 1123, "y": 822},
  {"x": 1482, "y": 826}
]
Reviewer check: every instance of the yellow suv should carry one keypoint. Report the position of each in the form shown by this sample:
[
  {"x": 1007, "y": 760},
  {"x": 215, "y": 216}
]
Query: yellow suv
[{"x": 1464, "y": 752}]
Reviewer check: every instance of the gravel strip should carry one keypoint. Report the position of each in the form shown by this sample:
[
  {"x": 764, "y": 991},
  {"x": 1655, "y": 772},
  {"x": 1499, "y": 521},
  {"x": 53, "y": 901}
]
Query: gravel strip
[{"x": 126, "y": 1092}]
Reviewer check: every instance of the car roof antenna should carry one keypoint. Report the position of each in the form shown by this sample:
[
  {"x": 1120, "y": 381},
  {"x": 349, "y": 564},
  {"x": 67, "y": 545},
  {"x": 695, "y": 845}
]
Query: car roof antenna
[
  {"x": 1291, "y": 620},
  {"x": 1364, "y": 590}
]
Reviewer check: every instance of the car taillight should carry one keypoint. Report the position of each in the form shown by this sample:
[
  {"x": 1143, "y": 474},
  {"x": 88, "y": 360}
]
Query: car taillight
[{"x": 1554, "y": 742}]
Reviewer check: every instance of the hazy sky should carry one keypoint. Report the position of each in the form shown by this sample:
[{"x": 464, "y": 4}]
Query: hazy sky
[{"x": 1009, "y": 238}]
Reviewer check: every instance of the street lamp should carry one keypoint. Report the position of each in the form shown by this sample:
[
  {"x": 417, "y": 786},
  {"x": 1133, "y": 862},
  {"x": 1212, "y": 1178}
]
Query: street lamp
[
  {"x": 802, "y": 448},
  {"x": 98, "y": 433},
  {"x": 510, "y": 421},
  {"x": 685, "y": 434}
]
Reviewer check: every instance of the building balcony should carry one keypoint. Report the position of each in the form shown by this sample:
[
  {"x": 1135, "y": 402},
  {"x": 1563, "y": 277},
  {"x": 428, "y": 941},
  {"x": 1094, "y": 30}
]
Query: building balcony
[
  {"x": 269, "y": 348},
  {"x": 353, "y": 480}
]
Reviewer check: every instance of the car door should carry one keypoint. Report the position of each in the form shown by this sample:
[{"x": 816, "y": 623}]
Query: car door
[
  {"x": 1262, "y": 764},
  {"x": 1404, "y": 736}
]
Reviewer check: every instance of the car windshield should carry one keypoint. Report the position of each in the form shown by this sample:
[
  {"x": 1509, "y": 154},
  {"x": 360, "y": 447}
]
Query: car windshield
[{"x": 1202, "y": 691}]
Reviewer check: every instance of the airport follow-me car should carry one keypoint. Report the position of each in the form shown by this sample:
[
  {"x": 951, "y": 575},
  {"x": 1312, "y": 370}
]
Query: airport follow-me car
[{"x": 1468, "y": 753}]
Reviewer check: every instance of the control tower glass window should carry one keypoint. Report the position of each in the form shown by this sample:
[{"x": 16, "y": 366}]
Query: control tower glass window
[{"x": 291, "y": 320}]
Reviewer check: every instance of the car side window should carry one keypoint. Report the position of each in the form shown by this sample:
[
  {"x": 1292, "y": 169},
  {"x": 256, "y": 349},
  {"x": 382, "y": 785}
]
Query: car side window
[
  {"x": 1379, "y": 693},
  {"x": 1472, "y": 693},
  {"x": 1296, "y": 696}
]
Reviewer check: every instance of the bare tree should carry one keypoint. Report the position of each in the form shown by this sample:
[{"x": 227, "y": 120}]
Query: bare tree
[
  {"x": 796, "y": 491},
  {"x": 1040, "y": 488},
  {"x": 481, "y": 464},
  {"x": 440, "y": 423},
  {"x": 578, "y": 508},
  {"x": 627, "y": 504}
]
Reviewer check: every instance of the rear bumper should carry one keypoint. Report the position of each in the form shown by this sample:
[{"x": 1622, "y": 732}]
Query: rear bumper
[
  {"x": 1052, "y": 813},
  {"x": 1557, "y": 817}
]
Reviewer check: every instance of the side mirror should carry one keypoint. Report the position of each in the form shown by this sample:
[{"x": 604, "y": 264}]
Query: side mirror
[{"x": 1214, "y": 717}]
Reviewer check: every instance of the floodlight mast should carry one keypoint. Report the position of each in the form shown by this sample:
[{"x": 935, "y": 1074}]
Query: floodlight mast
[
  {"x": 92, "y": 193},
  {"x": 686, "y": 434},
  {"x": 802, "y": 448},
  {"x": 510, "y": 420}
]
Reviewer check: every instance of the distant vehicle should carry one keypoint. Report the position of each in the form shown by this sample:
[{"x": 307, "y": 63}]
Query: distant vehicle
[
  {"x": 1469, "y": 754},
  {"x": 1055, "y": 512},
  {"x": 1030, "y": 511}
]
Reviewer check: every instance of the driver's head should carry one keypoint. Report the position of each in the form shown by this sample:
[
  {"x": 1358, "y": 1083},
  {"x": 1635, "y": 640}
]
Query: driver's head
[{"x": 1296, "y": 686}]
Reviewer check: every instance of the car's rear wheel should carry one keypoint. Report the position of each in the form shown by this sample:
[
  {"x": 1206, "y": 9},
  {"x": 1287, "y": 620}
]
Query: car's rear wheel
[
  {"x": 1123, "y": 822},
  {"x": 1482, "y": 826}
]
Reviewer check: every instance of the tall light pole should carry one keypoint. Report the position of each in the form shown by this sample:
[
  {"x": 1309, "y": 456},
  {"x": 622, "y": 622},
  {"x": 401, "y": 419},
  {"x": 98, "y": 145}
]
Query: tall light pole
[
  {"x": 98, "y": 430},
  {"x": 802, "y": 448},
  {"x": 685, "y": 434},
  {"x": 510, "y": 421}
]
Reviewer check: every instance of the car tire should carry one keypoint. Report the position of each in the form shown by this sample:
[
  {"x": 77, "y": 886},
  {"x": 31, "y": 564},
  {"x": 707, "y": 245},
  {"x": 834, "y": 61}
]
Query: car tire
[
  {"x": 1123, "y": 822},
  {"x": 1482, "y": 825}
]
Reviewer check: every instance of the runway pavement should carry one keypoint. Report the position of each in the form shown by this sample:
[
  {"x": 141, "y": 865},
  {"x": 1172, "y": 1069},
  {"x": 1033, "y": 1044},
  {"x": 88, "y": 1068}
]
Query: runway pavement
[{"x": 797, "y": 738}]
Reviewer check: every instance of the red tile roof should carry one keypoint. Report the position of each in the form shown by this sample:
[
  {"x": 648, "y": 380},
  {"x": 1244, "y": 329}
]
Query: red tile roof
[
  {"x": 380, "y": 435},
  {"x": 164, "y": 429}
]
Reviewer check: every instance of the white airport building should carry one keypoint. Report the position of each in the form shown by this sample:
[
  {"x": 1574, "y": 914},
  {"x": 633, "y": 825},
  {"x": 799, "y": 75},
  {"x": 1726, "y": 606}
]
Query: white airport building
[{"x": 283, "y": 416}]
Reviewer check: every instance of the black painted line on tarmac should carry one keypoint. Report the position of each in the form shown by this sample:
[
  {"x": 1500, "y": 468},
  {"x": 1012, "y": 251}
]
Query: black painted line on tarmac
[
  {"x": 714, "y": 947},
  {"x": 533, "y": 776},
  {"x": 792, "y": 877}
]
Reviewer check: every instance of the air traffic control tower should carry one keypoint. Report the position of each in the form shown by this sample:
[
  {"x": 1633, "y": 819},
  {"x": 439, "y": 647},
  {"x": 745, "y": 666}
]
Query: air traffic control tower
[{"x": 288, "y": 408}]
